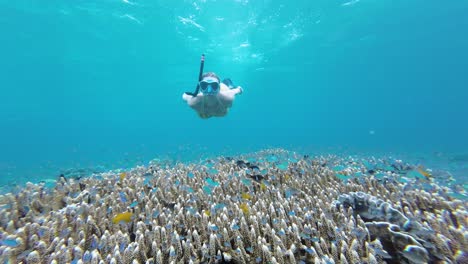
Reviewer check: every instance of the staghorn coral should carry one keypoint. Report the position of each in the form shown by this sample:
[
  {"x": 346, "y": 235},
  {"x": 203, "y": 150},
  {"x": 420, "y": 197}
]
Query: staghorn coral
[{"x": 279, "y": 210}]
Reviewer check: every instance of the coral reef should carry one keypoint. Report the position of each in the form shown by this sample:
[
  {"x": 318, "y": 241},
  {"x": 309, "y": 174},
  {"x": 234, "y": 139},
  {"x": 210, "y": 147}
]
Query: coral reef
[{"x": 273, "y": 206}]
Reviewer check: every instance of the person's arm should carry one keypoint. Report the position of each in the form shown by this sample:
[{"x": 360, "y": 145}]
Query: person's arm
[
  {"x": 192, "y": 101},
  {"x": 237, "y": 90},
  {"x": 227, "y": 96}
]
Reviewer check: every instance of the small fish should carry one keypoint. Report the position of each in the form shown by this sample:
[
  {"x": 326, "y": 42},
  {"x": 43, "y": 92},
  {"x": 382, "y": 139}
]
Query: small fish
[
  {"x": 253, "y": 167},
  {"x": 87, "y": 256},
  {"x": 126, "y": 217},
  {"x": 123, "y": 198},
  {"x": 122, "y": 176},
  {"x": 315, "y": 239},
  {"x": 246, "y": 196},
  {"x": 122, "y": 246},
  {"x": 289, "y": 192},
  {"x": 211, "y": 182},
  {"x": 283, "y": 166},
  {"x": 245, "y": 208},
  {"x": 170, "y": 205},
  {"x": 425, "y": 173},
  {"x": 207, "y": 212},
  {"x": 207, "y": 190},
  {"x": 257, "y": 177},
  {"x": 341, "y": 176},
  {"x": 241, "y": 163},
  {"x": 305, "y": 236},
  {"x": 133, "y": 204},
  {"x": 219, "y": 206},
  {"x": 247, "y": 182},
  {"x": 9, "y": 242},
  {"x": 263, "y": 186},
  {"x": 146, "y": 182}
]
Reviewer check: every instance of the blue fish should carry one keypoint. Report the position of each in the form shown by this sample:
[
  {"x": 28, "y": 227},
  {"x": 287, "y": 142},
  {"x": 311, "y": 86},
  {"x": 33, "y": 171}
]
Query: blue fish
[
  {"x": 9, "y": 242},
  {"x": 87, "y": 256},
  {"x": 155, "y": 214},
  {"x": 219, "y": 206},
  {"x": 122, "y": 246},
  {"x": 211, "y": 182},
  {"x": 123, "y": 198},
  {"x": 247, "y": 182},
  {"x": 207, "y": 190},
  {"x": 283, "y": 166}
]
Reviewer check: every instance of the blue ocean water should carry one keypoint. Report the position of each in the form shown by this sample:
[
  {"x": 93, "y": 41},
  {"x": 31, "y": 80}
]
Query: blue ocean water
[{"x": 98, "y": 84}]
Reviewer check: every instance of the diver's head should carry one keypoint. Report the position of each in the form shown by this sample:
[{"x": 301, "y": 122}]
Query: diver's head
[{"x": 209, "y": 85}]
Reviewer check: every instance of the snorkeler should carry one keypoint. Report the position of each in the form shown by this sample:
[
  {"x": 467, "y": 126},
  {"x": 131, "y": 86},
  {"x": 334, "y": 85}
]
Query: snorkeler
[{"x": 211, "y": 97}]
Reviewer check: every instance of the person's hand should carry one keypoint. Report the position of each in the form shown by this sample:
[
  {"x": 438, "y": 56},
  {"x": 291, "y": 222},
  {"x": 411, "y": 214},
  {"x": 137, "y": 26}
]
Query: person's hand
[{"x": 240, "y": 89}]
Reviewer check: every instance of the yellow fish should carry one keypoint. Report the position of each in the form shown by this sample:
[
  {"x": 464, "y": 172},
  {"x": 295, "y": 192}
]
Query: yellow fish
[
  {"x": 245, "y": 208},
  {"x": 126, "y": 217},
  {"x": 286, "y": 177},
  {"x": 207, "y": 212},
  {"x": 122, "y": 176},
  {"x": 262, "y": 186},
  {"x": 246, "y": 196},
  {"x": 424, "y": 172}
]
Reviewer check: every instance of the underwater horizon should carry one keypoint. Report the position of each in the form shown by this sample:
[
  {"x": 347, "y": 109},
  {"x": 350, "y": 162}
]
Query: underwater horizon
[{"x": 89, "y": 84}]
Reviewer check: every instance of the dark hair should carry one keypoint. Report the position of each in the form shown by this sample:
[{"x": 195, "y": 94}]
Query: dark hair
[{"x": 211, "y": 74}]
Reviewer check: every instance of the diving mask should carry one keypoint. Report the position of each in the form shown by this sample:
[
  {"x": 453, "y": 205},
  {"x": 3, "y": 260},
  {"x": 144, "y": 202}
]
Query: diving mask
[{"x": 209, "y": 86}]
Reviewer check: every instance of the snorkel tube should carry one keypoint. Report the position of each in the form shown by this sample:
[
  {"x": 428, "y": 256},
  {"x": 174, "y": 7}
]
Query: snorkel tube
[
  {"x": 202, "y": 64},
  {"x": 200, "y": 74}
]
